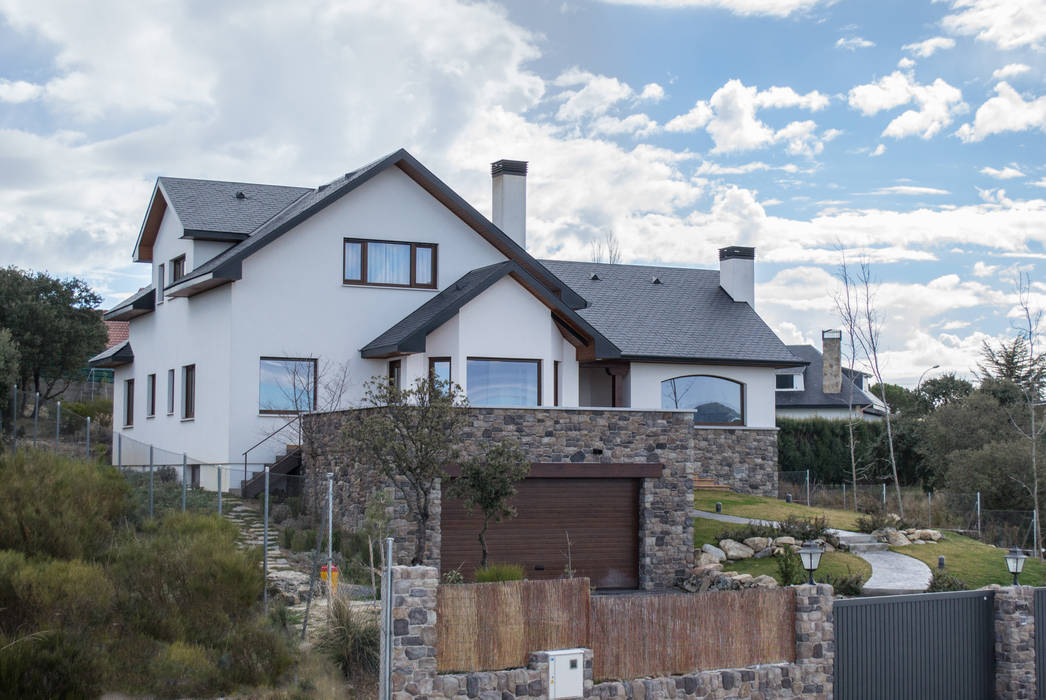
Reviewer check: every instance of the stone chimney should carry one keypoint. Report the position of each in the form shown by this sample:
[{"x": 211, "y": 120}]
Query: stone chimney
[
  {"x": 831, "y": 361},
  {"x": 509, "y": 179},
  {"x": 737, "y": 273}
]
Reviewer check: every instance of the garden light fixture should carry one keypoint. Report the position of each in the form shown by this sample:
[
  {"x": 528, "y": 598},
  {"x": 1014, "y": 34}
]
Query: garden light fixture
[
  {"x": 1015, "y": 563},
  {"x": 811, "y": 556}
]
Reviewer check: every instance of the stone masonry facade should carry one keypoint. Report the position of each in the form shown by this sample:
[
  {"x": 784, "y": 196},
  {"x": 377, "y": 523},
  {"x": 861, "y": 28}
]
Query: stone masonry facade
[
  {"x": 1015, "y": 643},
  {"x": 743, "y": 459},
  {"x": 414, "y": 674}
]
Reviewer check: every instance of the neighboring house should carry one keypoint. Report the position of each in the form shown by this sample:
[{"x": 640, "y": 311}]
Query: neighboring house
[
  {"x": 259, "y": 291},
  {"x": 824, "y": 388}
]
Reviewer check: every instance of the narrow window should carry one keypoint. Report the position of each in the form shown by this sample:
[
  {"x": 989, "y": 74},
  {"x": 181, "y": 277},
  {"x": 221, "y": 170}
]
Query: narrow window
[
  {"x": 424, "y": 265},
  {"x": 128, "y": 403},
  {"x": 161, "y": 280},
  {"x": 177, "y": 268},
  {"x": 395, "y": 368},
  {"x": 150, "y": 395},
  {"x": 555, "y": 383},
  {"x": 503, "y": 382},
  {"x": 353, "y": 262},
  {"x": 170, "y": 392},
  {"x": 189, "y": 391},
  {"x": 287, "y": 385},
  {"x": 389, "y": 263}
]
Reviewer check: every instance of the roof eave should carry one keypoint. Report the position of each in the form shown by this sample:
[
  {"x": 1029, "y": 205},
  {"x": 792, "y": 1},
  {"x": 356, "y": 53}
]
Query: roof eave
[
  {"x": 196, "y": 285},
  {"x": 779, "y": 364},
  {"x": 143, "y": 302},
  {"x": 116, "y": 356},
  {"x": 219, "y": 236}
]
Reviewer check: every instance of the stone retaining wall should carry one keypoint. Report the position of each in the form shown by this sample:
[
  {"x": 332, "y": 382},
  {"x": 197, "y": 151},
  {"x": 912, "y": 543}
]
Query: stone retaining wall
[
  {"x": 745, "y": 460},
  {"x": 1015, "y": 677}
]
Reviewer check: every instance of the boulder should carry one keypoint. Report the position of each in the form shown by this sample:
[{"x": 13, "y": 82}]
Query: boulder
[
  {"x": 828, "y": 547},
  {"x": 896, "y": 539},
  {"x": 719, "y": 554},
  {"x": 764, "y": 581},
  {"x": 706, "y": 558},
  {"x": 925, "y": 535},
  {"x": 757, "y": 543},
  {"x": 743, "y": 578},
  {"x": 735, "y": 550},
  {"x": 764, "y": 553},
  {"x": 280, "y": 513},
  {"x": 782, "y": 541},
  {"x": 289, "y": 586}
]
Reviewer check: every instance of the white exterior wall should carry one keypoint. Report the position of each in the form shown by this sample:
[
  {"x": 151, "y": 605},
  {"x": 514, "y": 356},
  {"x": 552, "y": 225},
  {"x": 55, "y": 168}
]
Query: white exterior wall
[{"x": 644, "y": 382}]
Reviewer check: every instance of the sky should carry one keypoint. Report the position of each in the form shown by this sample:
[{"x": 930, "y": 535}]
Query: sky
[{"x": 910, "y": 133}]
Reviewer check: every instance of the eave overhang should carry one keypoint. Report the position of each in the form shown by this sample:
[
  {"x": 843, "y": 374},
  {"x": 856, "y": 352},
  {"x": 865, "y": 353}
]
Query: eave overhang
[
  {"x": 116, "y": 356},
  {"x": 143, "y": 302}
]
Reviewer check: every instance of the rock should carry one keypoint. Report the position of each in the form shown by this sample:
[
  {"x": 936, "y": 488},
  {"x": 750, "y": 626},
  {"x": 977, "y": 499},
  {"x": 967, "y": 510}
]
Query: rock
[
  {"x": 764, "y": 553},
  {"x": 280, "y": 512},
  {"x": 925, "y": 535},
  {"x": 742, "y": 578},
  {"x": 735, "y": 550},
  {"x": 719, "y": 554},
  {"x": 757, "y": 543},
  {"x": 934, "y": 535},
  {"x": 764, "y": 581},
  {"x": 828, "y": 547},
  {"x": 878, "y": 534},
  {"x": 782, "y": 541},
  {"x": 292, "y": 587},
  {"x": 918, "y": 541},
  {"x": 896, "y": 539},
  {"x": 706, "y": 558}
]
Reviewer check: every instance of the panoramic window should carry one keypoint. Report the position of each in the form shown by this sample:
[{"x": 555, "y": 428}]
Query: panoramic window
[
  {"x": 189, "y": 391},
  {"x": 389, "y": 263},
  {"x": 714, "y": 400},
  {"x": 503, "y": 382},
  {"x": 286, "y": 385},
  {"x": 128, "y": 403}
]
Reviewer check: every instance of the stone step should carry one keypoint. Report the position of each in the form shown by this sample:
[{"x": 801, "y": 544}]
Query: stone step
[
  {"x": 855, "y": 538},
  {"x": 869, "y": 547}
]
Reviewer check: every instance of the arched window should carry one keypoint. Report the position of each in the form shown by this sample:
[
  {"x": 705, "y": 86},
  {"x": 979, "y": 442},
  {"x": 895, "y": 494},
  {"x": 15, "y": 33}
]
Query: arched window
[{"x": 714, "y": 400}]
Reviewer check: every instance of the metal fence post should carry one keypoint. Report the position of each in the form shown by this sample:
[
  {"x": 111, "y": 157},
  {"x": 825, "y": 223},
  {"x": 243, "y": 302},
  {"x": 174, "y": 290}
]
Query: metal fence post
[
  {"x": 219, "y": 489},
  {"x": 119, "y": 451},
  {"x": 14, "y": 413},
  {"x": 978, "y": 515},
  {"x": 87, "y": 439},
  {"x": 150, "y": 481},
  {"x": 385, "y": 677},
  {"x": 265, "y": 545},
  {"x": 185, "y": 485},
  {"x": 36, "y": 417},
  {"x": 884, "y": 495},
  {"x": 844, "y": 496},
  {"x": 929, "y": 509},
  {"x": 330, "y": 536},
  {"x": 807, "y": 487},
  {"x": 57, "y": 424}
]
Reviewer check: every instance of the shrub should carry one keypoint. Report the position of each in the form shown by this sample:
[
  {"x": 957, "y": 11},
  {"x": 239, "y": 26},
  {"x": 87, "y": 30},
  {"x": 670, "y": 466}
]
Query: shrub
[
  {"x": 790, "y": 568},
  {"x": 255, "y": 652},
  {"x": 878, "y": 520},
  {"x": 64, "y": 594},
  {"x": 351, "y": 639},
  {"x": 493, "y": 572},
  {"x": 942, "y": 582},
  {"x": 743, "y": 532},
  {"x": 287, "y": 537},
  {"x": 453, "y": 576},
  {"x": 848, "y": 585},
  {"x": 51, "y": 664},
  {"x": 183, "y": 670},
  {"x": 801, "y": 529}
]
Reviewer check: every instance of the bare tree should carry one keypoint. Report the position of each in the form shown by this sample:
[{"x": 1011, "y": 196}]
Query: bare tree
[
  {"x": 606, "y": 249},
  {"x": 846, "y": 305},
  {"x": 307, "y": 385},
  {"x": 867, "y": 330}
]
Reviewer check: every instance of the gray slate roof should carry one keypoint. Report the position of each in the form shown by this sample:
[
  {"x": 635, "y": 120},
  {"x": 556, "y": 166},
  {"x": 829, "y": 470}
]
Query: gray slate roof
[
  {"x": 211, "y": 205},
  {"x": 813, "y": 395},
  {"x": 115, "y": 356},
  {"x": 686, "y": 317}
]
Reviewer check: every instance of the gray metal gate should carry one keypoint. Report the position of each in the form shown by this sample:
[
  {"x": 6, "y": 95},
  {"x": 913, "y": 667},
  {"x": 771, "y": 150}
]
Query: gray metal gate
[
  {"x": 915, "y": 647},
  {"x": 1040, "y": 641}
]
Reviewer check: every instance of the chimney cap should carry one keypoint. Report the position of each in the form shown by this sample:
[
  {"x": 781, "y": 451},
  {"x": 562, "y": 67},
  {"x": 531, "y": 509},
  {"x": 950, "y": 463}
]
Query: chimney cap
[
  {"x": 508, "y": 167},
  {"x": 834, "y": 334},
  {"x": 736, "y": 251}
]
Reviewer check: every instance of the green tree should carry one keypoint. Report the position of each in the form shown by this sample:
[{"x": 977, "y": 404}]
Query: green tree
[
  {"x": 900, "y": 399},
  {"x": 55, "y": 325},
  {"x": 1015, "y": 361},
  {"x": 9, "y": 359},
  {"x": 945, "y": 389},
  {"x": 488, "y": 483},
  {"x": 409, "y": 435}
]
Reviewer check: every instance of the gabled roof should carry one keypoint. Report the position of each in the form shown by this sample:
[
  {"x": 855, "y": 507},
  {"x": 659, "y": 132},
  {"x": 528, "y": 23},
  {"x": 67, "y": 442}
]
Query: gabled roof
[
  {"x": 227, "y": 266},
  {"x": 685, "y": 316},
  {"x": 113, "y": 357},
  {"x": 141, "y": 302},
  {"x": 813, "y": 395},
  {"x": 119, "y": 331},
  {"x": 408, "y": 335}
]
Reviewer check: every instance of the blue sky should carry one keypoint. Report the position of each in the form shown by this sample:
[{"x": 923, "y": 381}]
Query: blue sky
[{"x": 913, "y": 133}]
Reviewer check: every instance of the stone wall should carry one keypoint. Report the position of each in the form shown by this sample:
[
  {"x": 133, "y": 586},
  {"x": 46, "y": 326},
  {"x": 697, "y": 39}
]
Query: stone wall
[
  {"x": 745, "y": 460},
  {"x": 1015, "y": 643}
]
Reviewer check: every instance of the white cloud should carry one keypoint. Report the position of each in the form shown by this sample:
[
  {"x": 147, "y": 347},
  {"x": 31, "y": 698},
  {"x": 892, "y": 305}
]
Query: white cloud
[
  {"x": 708, "y": 168},
  {"x": 910, "y": 190},
  {"x": 1010, "y": 70},
  {"x": 598, "y": 94},
  {"x": 17, "y": 91},
  {"x": 652, "y": 92},
  {"x": 1040, "y": 183},
  {"x": 937, "y": 104},
  {"x": 730, "y": 118},
  {"x": 980, "y": 269},
  {"x": 1009, "y": 24},
  {"x": 1007, "y": 111},
  {"x": 925, "y": 49},
  {"x": 906, "y": 63},
  {"x": 1006, "y": 173},
  {"x": 637, "y": 124},
  {"x": 852, "y": 43},
  {"x": 877, "y": 151},
  {"x": 776, "y": 8}
]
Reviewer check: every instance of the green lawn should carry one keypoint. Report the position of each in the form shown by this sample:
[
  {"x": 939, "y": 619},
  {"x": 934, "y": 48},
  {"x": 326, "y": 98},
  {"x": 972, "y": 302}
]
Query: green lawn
[
  {"x": 977, "y": 564},
  {"x": 770, "y": 508},
  {"x": 834, "y": 563}
]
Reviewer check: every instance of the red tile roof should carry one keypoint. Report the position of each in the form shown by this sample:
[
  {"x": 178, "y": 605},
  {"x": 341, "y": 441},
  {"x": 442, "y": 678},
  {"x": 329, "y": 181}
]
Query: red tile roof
[{"x": 118, "y": 332}]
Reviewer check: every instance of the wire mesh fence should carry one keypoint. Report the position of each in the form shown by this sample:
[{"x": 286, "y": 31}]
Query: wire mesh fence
[{"x": 71, "y": 428}]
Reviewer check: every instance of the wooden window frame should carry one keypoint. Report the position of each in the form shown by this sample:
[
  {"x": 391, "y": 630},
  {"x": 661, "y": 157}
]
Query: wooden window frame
[
  {"x": 177, "y": 268},
  {"x": 744, "y": 403},
  {"x": 398, "y": 376},
  {"x": 508, "y": 359},
  {"x": 188, "y": 392},
  {"x": 170, "y": 392},
  {"x": 128, "y": 403},
  {"x": 315, "y": 384},
  {"x": 362, "y": 281},
  {"x": 162, "y": 277},
  {"x": 150, "y": 396},
  {"x": 432, "y": 367}
]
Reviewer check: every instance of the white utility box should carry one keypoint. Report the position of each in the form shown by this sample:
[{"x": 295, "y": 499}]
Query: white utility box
[{"x": 566, "y": 674}]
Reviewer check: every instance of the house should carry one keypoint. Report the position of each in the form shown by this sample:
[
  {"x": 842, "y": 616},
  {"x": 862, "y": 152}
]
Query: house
[
  {"x": 823, "y": 388},
  {"x": 264, "y": 296}
]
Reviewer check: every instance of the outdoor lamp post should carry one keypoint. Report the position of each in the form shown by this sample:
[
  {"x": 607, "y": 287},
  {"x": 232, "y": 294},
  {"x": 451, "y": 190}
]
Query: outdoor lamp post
[
  {"x": 920, "y": 382},
  {"x": 1015, "y": 563},
  {"x": 811, "y": 556}
]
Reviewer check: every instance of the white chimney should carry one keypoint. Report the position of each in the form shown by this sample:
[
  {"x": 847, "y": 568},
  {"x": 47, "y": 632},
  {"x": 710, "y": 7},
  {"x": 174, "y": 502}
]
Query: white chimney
[
  {"x": 737, "y": 273},
  {"x": 510, "y": 198}
]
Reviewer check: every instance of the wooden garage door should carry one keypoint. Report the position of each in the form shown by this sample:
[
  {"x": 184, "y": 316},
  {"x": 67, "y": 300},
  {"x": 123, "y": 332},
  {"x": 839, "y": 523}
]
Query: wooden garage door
[{"x": 600, "y": 516}]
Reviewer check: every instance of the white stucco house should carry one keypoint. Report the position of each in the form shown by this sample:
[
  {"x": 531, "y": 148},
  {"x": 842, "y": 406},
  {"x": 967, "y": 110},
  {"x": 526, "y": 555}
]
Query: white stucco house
[
  {"x": 260, "y": 292},
  {"x": 823, "y": 388}
]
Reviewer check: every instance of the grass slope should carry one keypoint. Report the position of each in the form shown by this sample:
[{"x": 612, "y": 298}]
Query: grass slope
[
  {"x": 747, "y": 506},
  {"x": 976, "y": 563}
]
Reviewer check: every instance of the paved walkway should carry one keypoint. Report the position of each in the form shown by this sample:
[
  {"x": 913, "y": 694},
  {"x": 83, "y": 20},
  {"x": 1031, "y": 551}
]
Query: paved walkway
[{"x": 892, "y": 573}]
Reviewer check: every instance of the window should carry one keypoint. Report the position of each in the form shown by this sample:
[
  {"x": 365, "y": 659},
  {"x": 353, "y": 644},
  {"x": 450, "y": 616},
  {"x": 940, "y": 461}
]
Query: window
[
  {"x": 714, "y": 400},
  {"x": 439, "y": 368},
  {"x": 189, "y": 391},
  {"x": 177, "y": 268},
  {"x": 150, "y": 396},
  {"x": 286, "y": 384},
  {"x": 555, "y": 383},
  {"x": 389, "y": 263},
  {"x": 395, "y": 373},
  {"x": 503, "y": 382},
  {"x": 170, "y": 392},
  {"x": 786, "y": 381},
  {"x": 128, "y": 403},
  {"x": 161, "y": 280}
]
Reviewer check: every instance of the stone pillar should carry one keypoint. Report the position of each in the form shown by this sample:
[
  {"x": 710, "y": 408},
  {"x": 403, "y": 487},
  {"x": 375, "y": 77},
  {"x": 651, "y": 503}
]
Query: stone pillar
[
  {"x": 1015, "y": 643},
  {"x": 413, "y": 631},
  {"x": 814, "y": 641}
]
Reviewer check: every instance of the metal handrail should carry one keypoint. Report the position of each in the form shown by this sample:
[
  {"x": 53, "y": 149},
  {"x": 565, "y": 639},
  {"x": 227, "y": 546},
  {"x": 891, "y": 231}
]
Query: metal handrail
[{"x": 263, "y": 440}]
